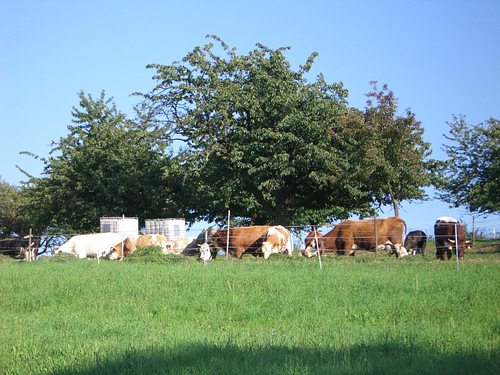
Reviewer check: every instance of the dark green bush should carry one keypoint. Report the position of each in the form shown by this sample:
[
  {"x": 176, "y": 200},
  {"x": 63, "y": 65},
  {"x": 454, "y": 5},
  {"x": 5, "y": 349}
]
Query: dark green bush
[{"x": 153, "y": 254}]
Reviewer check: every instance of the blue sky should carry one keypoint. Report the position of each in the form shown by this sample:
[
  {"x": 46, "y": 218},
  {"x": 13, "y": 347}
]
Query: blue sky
[{"x": 439, "y": 57}]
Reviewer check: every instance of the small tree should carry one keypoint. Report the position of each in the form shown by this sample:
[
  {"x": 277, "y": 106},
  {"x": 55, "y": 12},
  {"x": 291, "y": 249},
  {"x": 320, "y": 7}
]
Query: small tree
[
  {"x": 471, "y": 175},
  {"x": 390, "y": 150},
  {"x": 107, "y": 165}
]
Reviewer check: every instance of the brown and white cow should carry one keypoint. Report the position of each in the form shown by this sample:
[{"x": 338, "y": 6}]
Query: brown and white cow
[
  {"x": 277, "y": 240},
  {"x": 312, "y": 244},
  {"x": 242, "y": 240},
  {"x": 326, "y": 243},
  {"x": 177, "y": 246},
  {"x": 258, "y": 240},
  {"x": 132, "y": 243},
  {"x": 449, "y": 236},
  {"x": 361, "y": 235},
  {"x": 205, "y": 236}
]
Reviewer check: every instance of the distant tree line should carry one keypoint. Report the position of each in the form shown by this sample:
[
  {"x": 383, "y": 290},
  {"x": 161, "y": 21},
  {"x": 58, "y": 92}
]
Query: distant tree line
[{"x": 247, "y": 133}]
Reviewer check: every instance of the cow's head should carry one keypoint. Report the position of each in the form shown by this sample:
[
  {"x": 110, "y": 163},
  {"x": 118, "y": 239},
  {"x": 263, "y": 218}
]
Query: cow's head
[
  {"x": 116, "y": 251},
  {"x": 396, "y": 249},
  {"x": 307, "y": 252},
  {"x": 205, "y": 254},
  {"x": 113, "y": 254},
  {"x": 402, "y": 252},
  {"x": 312, "y": 241},
  {"x": 467, "y": 245},
  {"x": 267, "y": 249}
]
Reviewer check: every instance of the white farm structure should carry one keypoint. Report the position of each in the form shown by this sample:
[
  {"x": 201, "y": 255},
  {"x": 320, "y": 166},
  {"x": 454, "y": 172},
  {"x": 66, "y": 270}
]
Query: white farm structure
[
  {"x": 125, "y": 226},
  {"x": 173, "y": 229}
]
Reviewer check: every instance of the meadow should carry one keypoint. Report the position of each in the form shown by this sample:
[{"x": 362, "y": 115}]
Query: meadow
[{"x": 361, "y": 315}]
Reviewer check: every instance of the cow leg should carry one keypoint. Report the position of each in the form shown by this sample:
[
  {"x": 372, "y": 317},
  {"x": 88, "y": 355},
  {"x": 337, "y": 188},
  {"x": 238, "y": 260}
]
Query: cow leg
[{"x": 439, "y": 254}]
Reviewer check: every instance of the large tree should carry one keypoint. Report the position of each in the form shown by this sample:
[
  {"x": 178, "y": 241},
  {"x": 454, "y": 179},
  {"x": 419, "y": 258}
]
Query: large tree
[
  {"x": 256, "y": 137},
  {"x": 108, "y": 165},
  {"x": 470, "y": 177}
]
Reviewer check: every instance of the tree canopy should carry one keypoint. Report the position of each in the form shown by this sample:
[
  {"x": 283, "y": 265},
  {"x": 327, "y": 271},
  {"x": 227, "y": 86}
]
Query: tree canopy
[
  {"x": 258, "y": 138},
  {"x": 222, "y": 131},
  {"x": 470, "y": 177},
  {"x": 391, "y": 149},
  {"x": 107, "y": 165},
  {"x": 10, "y": 201}
]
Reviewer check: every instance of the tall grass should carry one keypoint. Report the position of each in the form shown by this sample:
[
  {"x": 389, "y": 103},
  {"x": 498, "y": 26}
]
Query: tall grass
[{"x": 283, "y": 316}]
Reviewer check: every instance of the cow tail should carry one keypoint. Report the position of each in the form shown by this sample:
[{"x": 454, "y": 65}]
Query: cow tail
[{"x": 404, "y": 234}]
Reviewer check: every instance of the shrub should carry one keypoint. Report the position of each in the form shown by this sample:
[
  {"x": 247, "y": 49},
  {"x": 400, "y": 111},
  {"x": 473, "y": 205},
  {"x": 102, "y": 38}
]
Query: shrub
[{"x": 153, "y": 254}]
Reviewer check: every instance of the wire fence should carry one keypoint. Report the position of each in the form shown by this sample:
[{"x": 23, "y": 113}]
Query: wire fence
[{"x": 368, "y": 240}]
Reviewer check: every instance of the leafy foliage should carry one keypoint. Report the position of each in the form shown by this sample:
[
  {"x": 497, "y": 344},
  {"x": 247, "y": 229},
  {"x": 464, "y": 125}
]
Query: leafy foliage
[
  {"x": 107, "y": 165},
  {"x": 9, "y": 209},
  {"x": 225, "y": 131},
  {"x": 154, "y": 254},
  {"x": 470, "y": 176},
  {"x": 390, "y": 152},
  {"x": 257, "y": 137}
]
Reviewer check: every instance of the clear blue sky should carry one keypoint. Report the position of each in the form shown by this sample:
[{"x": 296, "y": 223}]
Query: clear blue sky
[{"x": 439, "y": 57}]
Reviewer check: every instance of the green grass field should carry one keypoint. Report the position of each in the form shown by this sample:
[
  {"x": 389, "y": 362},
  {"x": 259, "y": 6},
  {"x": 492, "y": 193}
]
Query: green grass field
[{"x": 361, "y": 315}]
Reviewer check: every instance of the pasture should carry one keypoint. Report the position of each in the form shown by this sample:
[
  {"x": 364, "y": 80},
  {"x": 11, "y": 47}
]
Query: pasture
[{"x": 367, "y": 314}]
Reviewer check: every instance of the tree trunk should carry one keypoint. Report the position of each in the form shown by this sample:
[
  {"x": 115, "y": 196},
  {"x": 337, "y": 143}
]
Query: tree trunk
[
  {"x": 395, "y": 205},
  {"x": 395, "y": 201}
]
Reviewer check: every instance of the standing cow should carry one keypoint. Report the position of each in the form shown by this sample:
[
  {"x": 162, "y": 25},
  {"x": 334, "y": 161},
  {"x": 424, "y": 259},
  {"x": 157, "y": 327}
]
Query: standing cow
[
  {"x": 242, "y": 240},
  {"x": 277, "y": 240},
  {"x": 415, "y": 242},
  {"x": 449, "y": 235},
  {"x": 371, "y": 235},
  {"x": 258, "y": 240}
]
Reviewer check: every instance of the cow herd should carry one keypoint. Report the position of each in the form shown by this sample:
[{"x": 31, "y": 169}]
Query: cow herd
[
  {"x": 347, "y": 237},
  {"x": 387, "y": 235}
]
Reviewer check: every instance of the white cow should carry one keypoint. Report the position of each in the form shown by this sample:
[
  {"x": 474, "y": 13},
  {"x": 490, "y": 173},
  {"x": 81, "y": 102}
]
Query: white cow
[{"x": 94, "y": 245}]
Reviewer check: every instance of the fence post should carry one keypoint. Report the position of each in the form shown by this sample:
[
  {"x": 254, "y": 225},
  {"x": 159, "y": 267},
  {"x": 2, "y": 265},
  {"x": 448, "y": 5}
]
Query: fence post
[
  {"x": 29, "y": 254},
  {"x": 376, "y": 235},
  {"x": 456, "y": 246},
  {"x": 318, "y": 248}
]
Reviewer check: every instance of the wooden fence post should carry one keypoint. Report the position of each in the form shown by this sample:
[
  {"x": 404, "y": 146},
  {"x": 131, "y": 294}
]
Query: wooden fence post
[
  {"x": 456, "y": 246},
  {"x": 318, "y": 248},
  {"x": 29, "y": 254}
]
